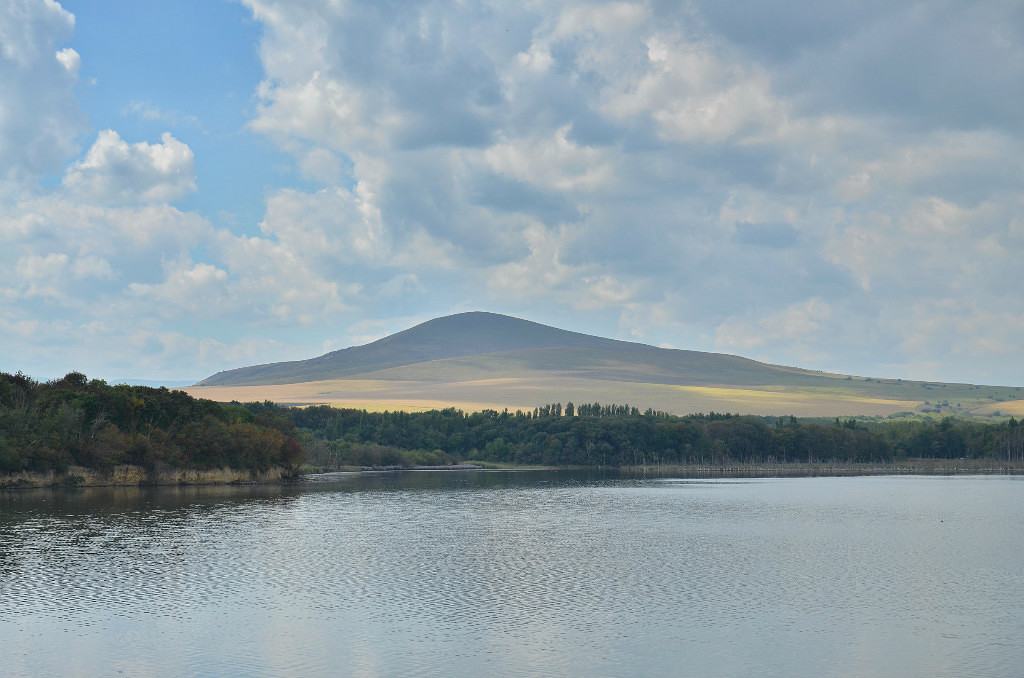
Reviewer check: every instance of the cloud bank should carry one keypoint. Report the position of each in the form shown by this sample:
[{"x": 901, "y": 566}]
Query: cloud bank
[{"x": 835, "y": 187}]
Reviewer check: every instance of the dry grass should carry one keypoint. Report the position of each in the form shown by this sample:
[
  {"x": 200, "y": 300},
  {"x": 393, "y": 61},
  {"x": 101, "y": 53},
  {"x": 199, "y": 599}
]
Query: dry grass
[
  {"x": 1008, "y": 408},
  {"x": 530, "y": 391}
]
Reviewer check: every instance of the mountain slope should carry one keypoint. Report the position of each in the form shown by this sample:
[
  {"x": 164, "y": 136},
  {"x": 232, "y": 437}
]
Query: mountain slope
[
  {"x": 487, "y": 361},
  {"x": 448, "y": 337},
  {"x": 525, "y": 344}
]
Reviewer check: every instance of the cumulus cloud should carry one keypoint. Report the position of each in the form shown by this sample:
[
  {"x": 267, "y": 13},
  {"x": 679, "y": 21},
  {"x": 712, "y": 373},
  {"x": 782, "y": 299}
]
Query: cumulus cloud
[
  {"x": 682, "y": 165},
  {"x": 124, "y": 234},
  {"x": 337, "y": 225},
  {"x": 554, "y": 161},
  {"x": 541, "y": 273},
  {"x": 114, "y": 171},
  {"x": 99, "y": 271},
  {"x": 192, "y": 287},
  {"x": 693, "y": 96},
  {"x": 836, "y": 186},
  {"x": 39, "y": 114}
]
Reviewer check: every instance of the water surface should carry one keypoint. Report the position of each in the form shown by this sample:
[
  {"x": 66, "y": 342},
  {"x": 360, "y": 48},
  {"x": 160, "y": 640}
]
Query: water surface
[{"x": 517, "y": 574}]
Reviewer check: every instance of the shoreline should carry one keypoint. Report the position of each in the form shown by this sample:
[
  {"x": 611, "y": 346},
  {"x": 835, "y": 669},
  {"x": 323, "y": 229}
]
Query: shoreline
[
  {"x": 134, "y": 476},
  {"x": 127, "y": 475},
  {"x": 907, "y": 467}
]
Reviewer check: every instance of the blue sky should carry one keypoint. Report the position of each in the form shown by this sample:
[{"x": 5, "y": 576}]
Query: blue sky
[
  {"x": 190, "y": 68},
  {"x": 193, "y": 186}
]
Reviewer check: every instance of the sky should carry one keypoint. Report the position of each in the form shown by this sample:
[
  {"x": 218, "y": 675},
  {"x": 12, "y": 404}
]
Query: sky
[{"x": 198, "y": 185}]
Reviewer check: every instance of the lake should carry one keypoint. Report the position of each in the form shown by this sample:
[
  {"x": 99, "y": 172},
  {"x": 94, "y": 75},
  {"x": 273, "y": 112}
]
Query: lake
[{"x": 517, "y": 574}]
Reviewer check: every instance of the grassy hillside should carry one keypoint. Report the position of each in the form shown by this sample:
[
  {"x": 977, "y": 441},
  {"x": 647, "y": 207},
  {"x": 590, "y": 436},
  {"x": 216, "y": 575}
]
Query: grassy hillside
[
  {"x": 533, "y": 388},
  {"x": 464, "y": 334},
  {"x": 481, "y": 360}
]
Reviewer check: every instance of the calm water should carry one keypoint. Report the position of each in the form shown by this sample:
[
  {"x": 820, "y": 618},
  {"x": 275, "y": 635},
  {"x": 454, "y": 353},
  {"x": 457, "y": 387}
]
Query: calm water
[{"x": 518, "y": 574}]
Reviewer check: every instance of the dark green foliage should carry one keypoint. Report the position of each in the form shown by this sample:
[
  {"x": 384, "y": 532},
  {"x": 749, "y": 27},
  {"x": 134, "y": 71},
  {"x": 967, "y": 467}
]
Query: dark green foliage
[
  {"x": 620, "y": 435},
  {"x": 951, "y": 438},
  {"x": 73, "y": 421}
]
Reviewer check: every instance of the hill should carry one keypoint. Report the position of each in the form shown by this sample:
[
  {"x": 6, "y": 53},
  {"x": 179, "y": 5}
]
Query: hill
[
  {"x": 484, "y": 360},
  {"x": 490, "y": 344},
  {"x": 464, "y": 334}
]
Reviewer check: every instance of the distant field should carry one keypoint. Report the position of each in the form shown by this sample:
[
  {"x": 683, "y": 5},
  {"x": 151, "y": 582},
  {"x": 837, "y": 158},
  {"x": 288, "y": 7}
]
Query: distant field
[
  {"x": 529, "y": 391},
  {"x": 1006, "y": 408}
]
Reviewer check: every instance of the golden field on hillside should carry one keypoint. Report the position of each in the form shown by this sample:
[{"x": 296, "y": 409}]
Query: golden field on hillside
[{"x": 528, "y": 391}]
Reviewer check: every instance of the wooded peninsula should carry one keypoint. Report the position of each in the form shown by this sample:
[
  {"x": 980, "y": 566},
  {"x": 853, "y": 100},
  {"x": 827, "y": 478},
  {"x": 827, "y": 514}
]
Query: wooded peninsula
[{"x": 73, "y": 422}]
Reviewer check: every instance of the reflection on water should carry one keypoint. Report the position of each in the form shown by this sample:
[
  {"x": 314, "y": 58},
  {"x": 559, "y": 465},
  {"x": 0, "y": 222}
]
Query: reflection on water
[{"x": 517, "y": 573}]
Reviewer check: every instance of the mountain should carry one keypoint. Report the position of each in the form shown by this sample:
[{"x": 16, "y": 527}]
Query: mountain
[
  {"x": 453, "y": 336},
  {"x": 530, "y": 344},
  {"x": 484, "y": 360}
]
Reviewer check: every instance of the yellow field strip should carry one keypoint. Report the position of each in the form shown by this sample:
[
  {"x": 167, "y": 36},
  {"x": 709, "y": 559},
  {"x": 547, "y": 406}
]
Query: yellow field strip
[
  {"x": 1010, "y": 407},
  {"x": 527, "y": 393}
]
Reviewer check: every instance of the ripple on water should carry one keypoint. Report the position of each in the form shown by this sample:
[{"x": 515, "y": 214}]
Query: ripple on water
[{"x": 767, "y": 578}]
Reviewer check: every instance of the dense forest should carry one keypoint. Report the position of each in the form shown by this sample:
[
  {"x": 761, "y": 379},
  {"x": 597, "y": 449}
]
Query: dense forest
[
  {"x": 74, "y": 421},
  {"x": 620, "y": 435}
]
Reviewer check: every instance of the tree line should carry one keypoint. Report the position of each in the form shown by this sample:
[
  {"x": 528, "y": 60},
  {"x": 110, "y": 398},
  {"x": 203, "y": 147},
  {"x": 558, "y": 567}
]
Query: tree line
[
  {"x": 52, "y": 425},
  {"x": 621, "y": 435},
  {"x": 75, "y": 421}
]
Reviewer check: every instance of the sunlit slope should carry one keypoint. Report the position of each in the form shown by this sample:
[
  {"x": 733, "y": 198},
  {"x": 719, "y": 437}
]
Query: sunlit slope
[
  {"x": 527, "y": 391},
  {"x": 482, "y": 360}
]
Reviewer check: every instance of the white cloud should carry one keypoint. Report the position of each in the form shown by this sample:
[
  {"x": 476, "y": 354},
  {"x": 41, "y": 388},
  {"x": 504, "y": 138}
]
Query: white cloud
[
  {"x": 37, "y": 268},
  {"x": 39, "y": 277},
  {"x": 121, "y": 234},
  {"x": 838, "y": 183},
  {"x": 92, "y": 267},
  {"x": 640, "y": 157},
  {"x": 694, "y": 96},
  {"x": 952, "y": 162},
  {"x": 320, "y": 164},
  {"x": 553, "y": 161},
  {"x": 320, "y": 110},
  {"x": 28, "y": 29},
  {"x": 931, "y": 246},
  {"x": 604, "y": 28},
  {"x": 72, "y": 269},
  {"x": 39, "y": 115},
  {"x": 332, "y": 224},
  {"x": 540, "y": 273},
  {"x": 116, "y": 172},
  {"x": 197, "y": 289},
  {"x": 70, "y": 60},
  {"x": 275, "y": 285},
  {"x": 543, "y": 274},
  {"x": 604, "y": 291}
]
